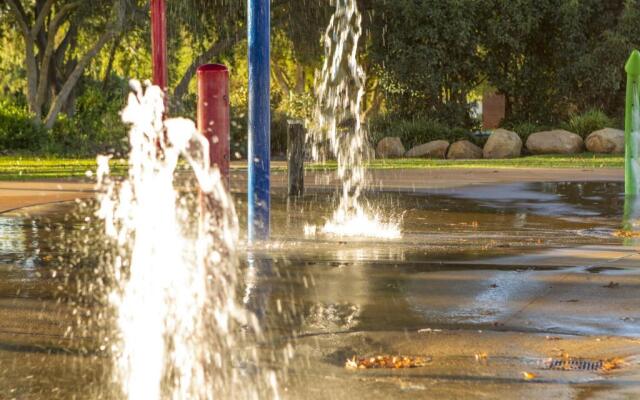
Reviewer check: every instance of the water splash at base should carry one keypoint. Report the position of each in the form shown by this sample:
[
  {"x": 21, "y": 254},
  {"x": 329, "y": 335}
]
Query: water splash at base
[
  {"x": 181, "y": 333},
  {"x": 338, "y": 130}
]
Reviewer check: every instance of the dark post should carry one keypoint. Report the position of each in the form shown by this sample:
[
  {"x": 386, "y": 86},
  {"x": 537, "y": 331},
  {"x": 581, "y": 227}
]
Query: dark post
[{"x": 295, "y": 157}]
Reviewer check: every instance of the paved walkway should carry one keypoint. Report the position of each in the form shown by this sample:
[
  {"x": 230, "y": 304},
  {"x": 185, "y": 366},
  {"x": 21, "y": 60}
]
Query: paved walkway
[{"x": 14, "y": 195}]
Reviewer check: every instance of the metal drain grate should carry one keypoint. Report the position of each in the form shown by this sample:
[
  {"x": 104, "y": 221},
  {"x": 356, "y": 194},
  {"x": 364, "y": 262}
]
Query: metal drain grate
[{"x": 575, "y": 364}]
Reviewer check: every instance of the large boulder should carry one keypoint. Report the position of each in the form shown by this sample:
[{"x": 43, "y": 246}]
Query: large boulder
[
  {"x": 464, "y": 150},
  {"x": 390, "y": 147},
  {"x": 435, "y": 149},
  {"x": 555, "y": 142},
  {"x": 607, "y": 140},
  {"x": 503, "y": 144}
]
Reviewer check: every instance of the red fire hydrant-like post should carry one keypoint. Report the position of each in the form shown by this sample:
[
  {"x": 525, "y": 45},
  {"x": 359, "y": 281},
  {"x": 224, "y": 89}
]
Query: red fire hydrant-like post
[
  {"x": 159, "y": 43},
  {"x": 213, "y": 114}
]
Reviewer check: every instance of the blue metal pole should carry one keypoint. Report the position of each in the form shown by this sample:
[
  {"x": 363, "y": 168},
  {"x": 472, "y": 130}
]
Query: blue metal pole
[{"x": 259, "y": 154}]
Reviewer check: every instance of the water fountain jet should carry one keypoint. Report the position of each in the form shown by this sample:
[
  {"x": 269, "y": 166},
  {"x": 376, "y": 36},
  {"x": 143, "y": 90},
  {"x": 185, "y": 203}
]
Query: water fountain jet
[
  {"x": 180, "y": 327},
  {"x": 338, "y": 124}
]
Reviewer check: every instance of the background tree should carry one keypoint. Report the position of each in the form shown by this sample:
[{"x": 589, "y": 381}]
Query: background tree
[
  {"x": 521, "y": 44},
  {"x": 598, "y": 37},
  {"x": 54, "y": 57},
  {"x": 426, "y": 55}
]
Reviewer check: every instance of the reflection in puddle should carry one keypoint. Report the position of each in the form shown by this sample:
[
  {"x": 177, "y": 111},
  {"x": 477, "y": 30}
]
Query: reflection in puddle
[
  {"x": 632, "y": 214},
  {"x": 13, "y": 237}
]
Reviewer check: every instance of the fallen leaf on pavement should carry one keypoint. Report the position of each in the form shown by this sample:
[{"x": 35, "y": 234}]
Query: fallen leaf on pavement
[
  {"x": 612, "y": 364},
  {"x": 385, "y": 362},
  {"x": 627, "y": 234}
]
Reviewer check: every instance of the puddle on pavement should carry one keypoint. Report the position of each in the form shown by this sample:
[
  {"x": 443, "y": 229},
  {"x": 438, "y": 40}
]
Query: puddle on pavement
[{"x": 464, "y": 279}]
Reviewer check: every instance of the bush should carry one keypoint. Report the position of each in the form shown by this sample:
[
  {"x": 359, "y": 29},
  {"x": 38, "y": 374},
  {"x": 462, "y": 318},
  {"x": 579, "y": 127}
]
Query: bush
[
  {"x": 239, "y": 131},
  {"x": 17, "y": 129},
  {"x": 524, "y": 129},
  {"x": 279, "y": 127},
  {"x": 414, "y": 132},
  {"x": 96, "y": 126},
  {"x": 590, "y": 121}
]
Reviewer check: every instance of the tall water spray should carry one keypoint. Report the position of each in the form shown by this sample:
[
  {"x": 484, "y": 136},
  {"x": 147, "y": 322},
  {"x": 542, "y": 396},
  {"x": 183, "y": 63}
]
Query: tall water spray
[
  {"x": 337, "y": 126},
  {"x": 174, "y": 268}
]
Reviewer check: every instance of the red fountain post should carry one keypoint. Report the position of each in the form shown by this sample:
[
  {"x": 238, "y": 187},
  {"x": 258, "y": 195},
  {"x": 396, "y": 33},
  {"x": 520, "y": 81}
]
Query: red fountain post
[
  {"x": 213, "y": 114},
  {"x": 159, "y": 43}
]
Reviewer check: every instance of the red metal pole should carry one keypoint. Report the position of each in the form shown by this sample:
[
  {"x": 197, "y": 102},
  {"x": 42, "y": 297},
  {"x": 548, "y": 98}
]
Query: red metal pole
[
  {"x": 213, "y": 114},
  {"x": 159, "y": 43}
]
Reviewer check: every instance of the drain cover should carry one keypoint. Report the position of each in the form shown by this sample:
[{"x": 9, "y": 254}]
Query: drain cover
[{"x": 575, "y": 364}]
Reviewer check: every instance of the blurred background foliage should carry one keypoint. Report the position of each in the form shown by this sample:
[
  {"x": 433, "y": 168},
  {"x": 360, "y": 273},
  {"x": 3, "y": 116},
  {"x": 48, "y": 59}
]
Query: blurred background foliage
[{"x": 559, "y": 63}]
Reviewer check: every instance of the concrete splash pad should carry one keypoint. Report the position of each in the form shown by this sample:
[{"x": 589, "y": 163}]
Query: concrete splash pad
[
  {"x": 463, "y": 365},
  {"x": 517, "y": 280}
]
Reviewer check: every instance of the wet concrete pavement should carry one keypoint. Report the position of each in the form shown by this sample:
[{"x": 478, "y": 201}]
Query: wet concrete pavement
[
  {"x": 519, "y": 274},
  {"x": 17, "y": 194}
]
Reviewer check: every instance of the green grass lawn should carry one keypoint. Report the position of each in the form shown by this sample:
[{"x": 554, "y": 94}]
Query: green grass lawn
[
  {"x": 25, "y": 168},
  {"x": 585, "y": 160}
]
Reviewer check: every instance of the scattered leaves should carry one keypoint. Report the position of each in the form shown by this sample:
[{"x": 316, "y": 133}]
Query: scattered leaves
[
  {"x": 612, "y": 364},
  {"x": 385, "y": 362},
  {"x": 627, "y": 234}
]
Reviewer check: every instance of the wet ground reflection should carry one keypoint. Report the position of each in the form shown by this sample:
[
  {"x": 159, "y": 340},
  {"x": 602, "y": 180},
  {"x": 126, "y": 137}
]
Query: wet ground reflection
[{"x": 461, "y": 267}]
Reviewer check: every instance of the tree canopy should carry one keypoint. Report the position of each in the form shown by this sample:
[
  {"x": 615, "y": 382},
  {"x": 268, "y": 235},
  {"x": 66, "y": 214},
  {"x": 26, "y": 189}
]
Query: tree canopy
[{"x": 424, "y": 59}]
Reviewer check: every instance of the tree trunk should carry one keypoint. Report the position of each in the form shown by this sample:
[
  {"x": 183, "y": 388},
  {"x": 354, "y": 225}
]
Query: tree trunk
[
  {"x": 30, "y": 56},
  {"x": 183, "y": 86},
  {"x": 113, "y": 27},
  {"x": 73, "y": 79},
  {"x": 45, "y": 83},
  {"x": 112, "y": 56},
  {"x": 32, "y": 79}
]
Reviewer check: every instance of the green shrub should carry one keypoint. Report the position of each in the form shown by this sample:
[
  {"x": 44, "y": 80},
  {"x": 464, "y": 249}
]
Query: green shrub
[
  {"x": 524, "y": 129},
  {"x": 590, "y": 121},
  {"x": 96, "y": 126},
  {"x": 239, "y": 132},
  {"x": 414, "y": 132},
  {"x": 279, "y": 127},
  {"x": 18, "y": 132}
]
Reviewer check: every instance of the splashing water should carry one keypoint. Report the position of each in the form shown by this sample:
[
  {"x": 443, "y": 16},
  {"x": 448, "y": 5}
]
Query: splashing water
[
  {"x": 174, "y": 267},
  {"x": 337, "y": 124}
]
